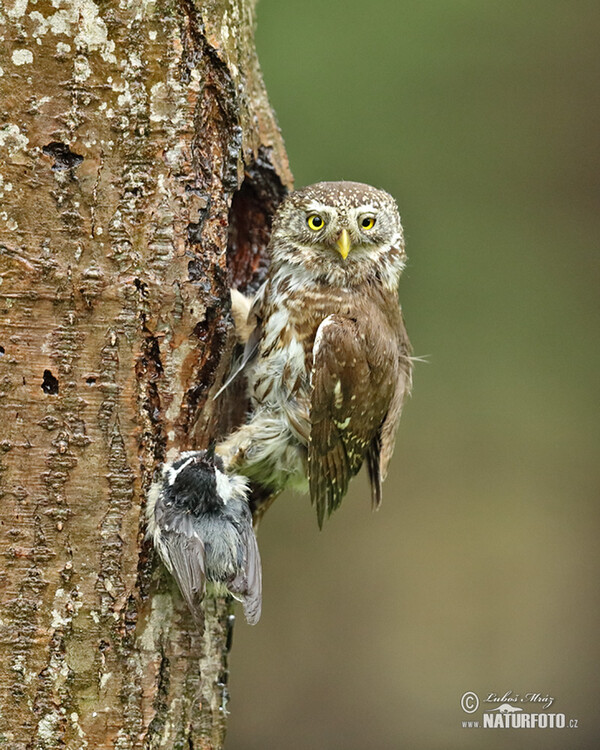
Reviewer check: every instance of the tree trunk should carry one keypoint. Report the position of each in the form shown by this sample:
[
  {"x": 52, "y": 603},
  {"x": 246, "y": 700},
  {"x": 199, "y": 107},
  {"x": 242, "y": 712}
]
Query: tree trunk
[{"x": 140, "y": 164}]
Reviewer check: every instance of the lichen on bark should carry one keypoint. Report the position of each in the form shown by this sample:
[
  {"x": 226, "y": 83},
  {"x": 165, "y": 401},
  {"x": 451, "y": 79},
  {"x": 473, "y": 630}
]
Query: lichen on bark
[{"x": 140, "y": 165}]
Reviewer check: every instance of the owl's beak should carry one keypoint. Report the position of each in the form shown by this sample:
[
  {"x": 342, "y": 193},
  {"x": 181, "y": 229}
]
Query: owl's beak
[{"x": 343, "y": 243}]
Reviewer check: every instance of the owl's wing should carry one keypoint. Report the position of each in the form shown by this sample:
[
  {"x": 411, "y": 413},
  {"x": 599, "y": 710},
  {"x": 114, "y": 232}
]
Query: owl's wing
[
  {"x": 348, "y": 403},
  {"x": 382, "y": 446},
  {"x": 402, "y": 391}
]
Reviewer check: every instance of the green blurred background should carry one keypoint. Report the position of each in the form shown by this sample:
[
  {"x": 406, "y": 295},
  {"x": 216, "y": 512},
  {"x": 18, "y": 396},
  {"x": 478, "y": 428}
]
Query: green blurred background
[{"x": 480, "y": 571}]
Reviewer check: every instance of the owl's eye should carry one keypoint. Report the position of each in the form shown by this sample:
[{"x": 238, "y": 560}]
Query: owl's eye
[
  {"x": 367, "y": 222},
  {"x": 315, "y": 222}
]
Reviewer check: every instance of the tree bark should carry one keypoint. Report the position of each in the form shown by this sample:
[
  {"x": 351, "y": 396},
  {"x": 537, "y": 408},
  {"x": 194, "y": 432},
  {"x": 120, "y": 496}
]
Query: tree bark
[{"x": 140, "y": 164}]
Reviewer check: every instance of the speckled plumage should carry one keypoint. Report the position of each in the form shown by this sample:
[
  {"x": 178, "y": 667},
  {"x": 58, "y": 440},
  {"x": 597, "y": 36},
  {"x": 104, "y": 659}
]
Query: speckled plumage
[{"x": 328, "y": 359}]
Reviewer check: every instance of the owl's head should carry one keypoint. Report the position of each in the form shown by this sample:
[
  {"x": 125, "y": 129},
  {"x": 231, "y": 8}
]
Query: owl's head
[{"x": 341, "y": 233}]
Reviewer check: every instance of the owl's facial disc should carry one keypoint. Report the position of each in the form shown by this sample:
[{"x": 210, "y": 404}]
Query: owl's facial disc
[
  {"x": 331, "y": 228},
  {"x": 343, "y": 233}
]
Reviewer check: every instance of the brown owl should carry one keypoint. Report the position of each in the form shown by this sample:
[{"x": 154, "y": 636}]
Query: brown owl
[
  {"x": 327, "y": 356},
  {"x": 328, "y": 365}
]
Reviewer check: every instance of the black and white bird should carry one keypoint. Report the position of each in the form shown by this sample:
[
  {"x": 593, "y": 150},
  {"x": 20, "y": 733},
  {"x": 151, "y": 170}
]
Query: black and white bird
[{"x": 201, "y": 525}]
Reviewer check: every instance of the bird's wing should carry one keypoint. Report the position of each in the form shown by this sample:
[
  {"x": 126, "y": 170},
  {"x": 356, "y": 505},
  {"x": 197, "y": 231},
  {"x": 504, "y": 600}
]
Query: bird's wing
[
  {"x": 182, "y": 551},
  {"x": 382, "y": 446},
  {"x": 374, "y": 470},
  {"x": 254, "y": 333},
  {"x": 401, "y": 392},
  {"x": 349, "y": 400},
  {"x": 248, "y": 584}
]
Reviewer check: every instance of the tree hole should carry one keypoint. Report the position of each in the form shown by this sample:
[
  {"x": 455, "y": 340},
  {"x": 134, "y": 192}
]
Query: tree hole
[
  {"x": 250, "y": 217},
  {"x": 63, "y": 157},
  {"x": 50, "y": 383}
]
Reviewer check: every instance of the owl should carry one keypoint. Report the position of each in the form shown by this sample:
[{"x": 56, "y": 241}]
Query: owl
[
  {"x": 327, "y": 357},
  {"x": 328, "y": 365}
]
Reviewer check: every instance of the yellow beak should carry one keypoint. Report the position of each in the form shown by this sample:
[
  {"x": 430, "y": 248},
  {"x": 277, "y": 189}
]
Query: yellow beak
[{"x": 343, "y": 243}]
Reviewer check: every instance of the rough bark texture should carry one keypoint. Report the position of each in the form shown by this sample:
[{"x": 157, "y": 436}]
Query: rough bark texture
[{"x": 139, "y": 166}]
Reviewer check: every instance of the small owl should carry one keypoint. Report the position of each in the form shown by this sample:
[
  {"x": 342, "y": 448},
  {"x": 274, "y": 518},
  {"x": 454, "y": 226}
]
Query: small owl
[{"x": 327, "y": 357}]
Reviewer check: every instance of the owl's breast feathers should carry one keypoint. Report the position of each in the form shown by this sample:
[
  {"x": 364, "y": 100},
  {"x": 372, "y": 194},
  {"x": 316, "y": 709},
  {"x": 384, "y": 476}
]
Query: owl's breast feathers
[{"x": 357, "y": 357}]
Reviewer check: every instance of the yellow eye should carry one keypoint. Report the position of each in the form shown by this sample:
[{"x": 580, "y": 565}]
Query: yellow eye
[
  {"x": 367, "y": 222},
  {"x": 315, "y": 222}
]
